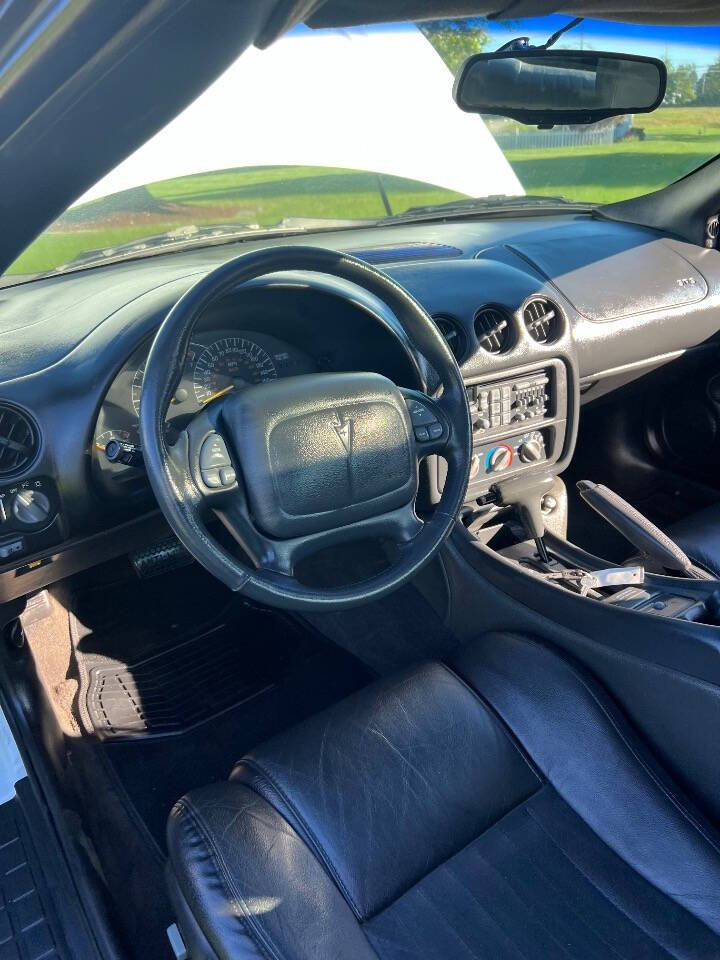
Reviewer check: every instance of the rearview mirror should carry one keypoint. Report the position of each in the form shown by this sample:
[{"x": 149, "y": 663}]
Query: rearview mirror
[{"x": 546, "y": 87}]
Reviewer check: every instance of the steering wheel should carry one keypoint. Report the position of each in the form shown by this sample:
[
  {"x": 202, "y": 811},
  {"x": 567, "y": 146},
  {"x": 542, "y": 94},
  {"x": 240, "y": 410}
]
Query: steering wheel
[{"x": 296, "y": 465}]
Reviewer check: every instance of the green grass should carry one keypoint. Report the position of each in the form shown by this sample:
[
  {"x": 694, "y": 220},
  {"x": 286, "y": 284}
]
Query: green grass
[
  {"x": 255, "y": 195},
  {"x": 677, "y": 141}
]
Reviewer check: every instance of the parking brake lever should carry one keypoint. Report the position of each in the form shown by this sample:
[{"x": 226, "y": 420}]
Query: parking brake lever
[{"x": 648, "y": 539}]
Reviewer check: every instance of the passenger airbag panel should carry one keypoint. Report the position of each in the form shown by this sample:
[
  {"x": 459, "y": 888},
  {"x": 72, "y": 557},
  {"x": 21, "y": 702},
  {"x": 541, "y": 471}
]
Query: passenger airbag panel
[{"x": 609, "y": 273}]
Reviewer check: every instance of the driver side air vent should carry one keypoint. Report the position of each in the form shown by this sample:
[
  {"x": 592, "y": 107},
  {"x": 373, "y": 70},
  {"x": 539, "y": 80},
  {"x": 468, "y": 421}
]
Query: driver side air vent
[
  {"x": 493, "y": 329},
  {"x": 19, "y": 440},
  {"x": 454, "y": 335},
  {"x": 542, "y": 320}
]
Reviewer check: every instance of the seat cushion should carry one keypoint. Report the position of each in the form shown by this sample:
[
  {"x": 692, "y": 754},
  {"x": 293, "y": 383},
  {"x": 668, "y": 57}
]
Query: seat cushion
[
  {"x": 497, "y": 808},
  {"x": 699, "y": 537}
]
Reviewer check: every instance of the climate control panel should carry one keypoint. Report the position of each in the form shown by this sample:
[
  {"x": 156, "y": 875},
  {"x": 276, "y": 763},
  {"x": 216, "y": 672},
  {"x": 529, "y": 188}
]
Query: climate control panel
[{"x": 495, "y": 458}]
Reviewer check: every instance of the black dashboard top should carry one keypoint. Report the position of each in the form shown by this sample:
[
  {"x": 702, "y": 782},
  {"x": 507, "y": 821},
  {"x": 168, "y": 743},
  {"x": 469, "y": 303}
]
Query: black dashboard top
[{"x": 601, "y": 271}]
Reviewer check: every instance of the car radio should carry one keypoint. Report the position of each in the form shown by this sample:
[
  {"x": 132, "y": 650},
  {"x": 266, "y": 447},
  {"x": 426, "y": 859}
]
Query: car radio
[{"x": 509, "y": 402}]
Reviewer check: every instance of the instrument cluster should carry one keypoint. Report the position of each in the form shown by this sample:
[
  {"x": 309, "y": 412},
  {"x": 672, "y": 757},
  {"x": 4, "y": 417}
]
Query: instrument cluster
[{"x": 217, "y": 362}]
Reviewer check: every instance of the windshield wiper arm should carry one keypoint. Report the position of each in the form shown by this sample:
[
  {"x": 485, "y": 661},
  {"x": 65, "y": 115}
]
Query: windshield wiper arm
[{"x": 494, "y": 202}]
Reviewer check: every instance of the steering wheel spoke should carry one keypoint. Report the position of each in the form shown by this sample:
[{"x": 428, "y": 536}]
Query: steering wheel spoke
[{"x": 400, "y": 527}]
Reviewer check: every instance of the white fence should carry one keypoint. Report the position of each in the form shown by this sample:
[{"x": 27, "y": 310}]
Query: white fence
[{"x": 547, "y": 139}]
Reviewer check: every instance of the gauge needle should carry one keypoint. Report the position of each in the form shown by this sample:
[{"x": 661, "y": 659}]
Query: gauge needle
[{"x": 218, "y": 393}]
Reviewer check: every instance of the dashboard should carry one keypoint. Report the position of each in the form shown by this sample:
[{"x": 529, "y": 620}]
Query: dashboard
[{"x": 544, "y": 313}]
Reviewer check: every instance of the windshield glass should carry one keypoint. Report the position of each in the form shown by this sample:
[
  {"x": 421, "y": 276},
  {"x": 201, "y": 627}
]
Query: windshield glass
[{"x": 331, "y": 128}]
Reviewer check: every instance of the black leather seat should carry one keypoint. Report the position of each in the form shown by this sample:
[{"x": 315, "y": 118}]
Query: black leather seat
[
  {"x": 498, "y": 808},
  {"x": 699, "y": 537}
]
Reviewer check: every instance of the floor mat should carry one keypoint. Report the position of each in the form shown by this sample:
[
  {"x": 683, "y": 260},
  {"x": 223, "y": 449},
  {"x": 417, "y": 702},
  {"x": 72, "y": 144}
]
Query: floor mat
[
  {"x": 29, "y": 920},
  {"x": 194, "y": 681}
]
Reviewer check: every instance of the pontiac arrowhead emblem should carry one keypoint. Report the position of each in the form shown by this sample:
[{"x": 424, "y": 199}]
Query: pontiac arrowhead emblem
[{"x": 343, "y": 427}]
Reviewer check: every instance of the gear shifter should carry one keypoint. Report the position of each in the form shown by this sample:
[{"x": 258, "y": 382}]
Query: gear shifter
[
  {"x": 648, "y": 539},
  {"x": 526, "y": 497}
]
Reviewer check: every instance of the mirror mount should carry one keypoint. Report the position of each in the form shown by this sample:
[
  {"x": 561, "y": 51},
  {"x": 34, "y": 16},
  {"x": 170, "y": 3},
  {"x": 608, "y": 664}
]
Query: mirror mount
[{"x": 523, "y": 43}]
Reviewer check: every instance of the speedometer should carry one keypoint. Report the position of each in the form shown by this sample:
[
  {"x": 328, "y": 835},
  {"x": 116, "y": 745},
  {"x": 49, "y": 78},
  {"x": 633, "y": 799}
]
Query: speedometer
[{"x": 229, "y": 363}]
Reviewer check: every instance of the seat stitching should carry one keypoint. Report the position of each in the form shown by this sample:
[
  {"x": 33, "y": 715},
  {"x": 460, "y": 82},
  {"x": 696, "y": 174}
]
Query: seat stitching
[
  {"x": 557, "y": 890},
  {"x": 315, "y": 843},
  {"x": 468, "y": 949},
  {"x": 530, "y": 910},
  {"x": 411, "y": 889},
  {"x": 496, "y": 923},
  {"x": 602, "y": 893},
  {"x": 226, "y": 880},
  {"x": 640, "y": 760}
]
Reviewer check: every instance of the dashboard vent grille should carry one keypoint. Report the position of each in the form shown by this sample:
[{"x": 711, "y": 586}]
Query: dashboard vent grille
[
  {"x": 19, "y": 440},
  {"x": 542, "y": 320},
  {"x": 493, "y": 329},
  {"x": 454, "y": 335}
]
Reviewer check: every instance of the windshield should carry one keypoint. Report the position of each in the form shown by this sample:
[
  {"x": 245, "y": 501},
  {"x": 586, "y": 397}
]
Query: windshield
[{"x": 332, "y": 128}]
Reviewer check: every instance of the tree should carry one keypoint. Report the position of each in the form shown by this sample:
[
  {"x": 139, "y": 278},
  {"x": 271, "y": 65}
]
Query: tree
[
  {"x": 681, "y": 84},
  {"x": 708, "y": 86},
  {"x": 456, "y": 40}
]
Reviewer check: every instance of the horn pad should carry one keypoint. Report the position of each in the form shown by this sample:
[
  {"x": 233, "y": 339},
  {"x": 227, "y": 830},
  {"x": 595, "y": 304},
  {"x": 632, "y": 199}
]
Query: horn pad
[{"x": 322, "y": 451}]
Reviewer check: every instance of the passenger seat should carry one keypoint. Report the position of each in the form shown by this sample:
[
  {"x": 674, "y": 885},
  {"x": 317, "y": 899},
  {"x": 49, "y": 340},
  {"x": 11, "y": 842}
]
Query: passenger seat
[{"x": 699, "y": 537}]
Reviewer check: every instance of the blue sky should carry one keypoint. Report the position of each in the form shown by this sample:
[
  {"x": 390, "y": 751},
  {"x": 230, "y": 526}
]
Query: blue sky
[{"x": 698, "y": 45}]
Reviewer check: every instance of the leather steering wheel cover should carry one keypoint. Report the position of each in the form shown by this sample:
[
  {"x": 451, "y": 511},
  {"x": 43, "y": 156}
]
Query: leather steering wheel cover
[{"x": 174, "y": 488}]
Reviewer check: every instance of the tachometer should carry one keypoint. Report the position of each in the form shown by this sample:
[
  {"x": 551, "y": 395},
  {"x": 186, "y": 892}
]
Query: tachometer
[{"x": 229, "y": 363}]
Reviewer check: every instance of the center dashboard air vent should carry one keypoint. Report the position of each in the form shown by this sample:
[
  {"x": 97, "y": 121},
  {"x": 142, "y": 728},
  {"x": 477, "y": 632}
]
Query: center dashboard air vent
[
  {"x": 19, "y": 440},
  {"x": 453, "y": 333},
  {"x": 542, "y": 320},
  {"x": 493, "y": 330}
]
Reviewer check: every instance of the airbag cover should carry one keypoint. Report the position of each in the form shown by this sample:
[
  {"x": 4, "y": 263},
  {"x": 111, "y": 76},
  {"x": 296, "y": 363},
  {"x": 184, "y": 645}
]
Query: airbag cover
[
  {"x": 322, "y": 451},
  {"x": 612, "y": 271}
]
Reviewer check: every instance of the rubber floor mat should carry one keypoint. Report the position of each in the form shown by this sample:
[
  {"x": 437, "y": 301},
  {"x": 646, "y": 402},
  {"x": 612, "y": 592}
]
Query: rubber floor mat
[
  {"x": 173, "y": 691},
  {"x": 29, "y": 921}
]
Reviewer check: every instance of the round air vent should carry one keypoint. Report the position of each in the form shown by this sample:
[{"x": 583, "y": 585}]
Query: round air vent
[
  {"x": 454, "y": 335},
  {"x": 492, "y": 327},
  {"x": 19, "y": 440},
  {"x": 542, "y": 320}
]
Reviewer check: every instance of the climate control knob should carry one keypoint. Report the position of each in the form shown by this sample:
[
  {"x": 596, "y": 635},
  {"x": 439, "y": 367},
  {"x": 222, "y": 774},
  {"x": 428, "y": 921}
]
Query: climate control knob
[
  {"x": 30, "y": 506},
  {"x": 499, "y": 458},
  {"x": 530, "y": 451}
]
